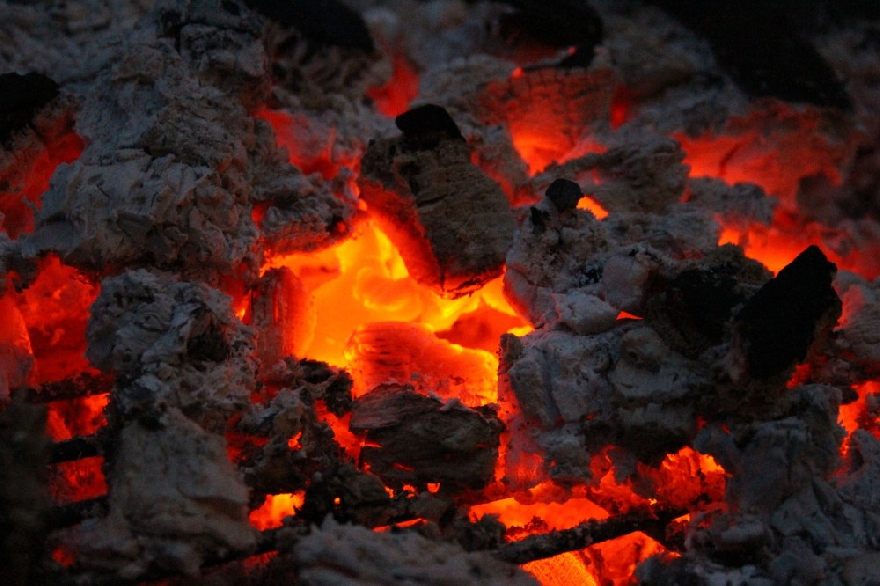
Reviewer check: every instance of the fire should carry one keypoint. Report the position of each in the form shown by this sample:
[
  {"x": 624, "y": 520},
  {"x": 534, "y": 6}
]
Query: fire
[
  {"x": 24, "y": 184},
  {"x": 394, "y": 96},
  {"x": 589, "y": 204},
  {"x": 275, "y": 508},
  {"x": 363, "y": 303},
  {"x": 78, "y": 480},
  {"x": 82, "y": 417}
]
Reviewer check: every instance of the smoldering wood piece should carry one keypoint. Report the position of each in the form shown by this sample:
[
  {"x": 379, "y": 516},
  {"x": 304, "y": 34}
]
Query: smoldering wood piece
[
  {"x": 83, "y": 385},
  {"x": 537, "y": 547},
  {"x": 62, "y": 516},
  {"x": 414, "y": 439},
  {"x": 76, "y": 448},
  {"x": 452, "y": 223},
  {"x": 280, "y": 316},
  {"x": 21, "y": 97},
  {"x": 781, "y": 321}
]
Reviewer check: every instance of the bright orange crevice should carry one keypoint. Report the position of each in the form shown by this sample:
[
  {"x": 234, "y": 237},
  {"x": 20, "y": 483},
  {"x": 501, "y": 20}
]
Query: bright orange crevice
[
  {"x": 274, "y": 509},
  {"x": 394, "y": 96},
  {"x": 364, "y": 307}
]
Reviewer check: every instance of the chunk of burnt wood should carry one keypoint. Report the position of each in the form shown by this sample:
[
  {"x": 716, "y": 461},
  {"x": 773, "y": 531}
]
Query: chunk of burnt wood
[
  {"x": 24, "y": 496},
  {"x": 451, "y": 222},
  {"x": 564, "y": 194},
  {"x": 324, "y": 22},
  {"x": 427, "y": 123},
  {"x": 778, "y": 325},
  {"x": 745, "y": 38},
  {"x": 560, "y": 23},
  {"x": 21, "y": 97},
  {"x": 413, "y": 439},
  {"x": 692, "y": 309}
]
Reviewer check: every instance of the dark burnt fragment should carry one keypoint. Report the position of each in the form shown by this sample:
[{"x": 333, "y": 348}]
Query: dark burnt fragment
[
  {"x": 414, "y": 439},
  {"x": 555, "y": 23},
  {"x": 21, "y": 97},
  {"x": 777, "y": 326},
  {"x": 324, "y": 22},
  {"x": 747, "y": 40},
  {"x": 564, "y": 194},
  {"x": 427, "y": 124}
]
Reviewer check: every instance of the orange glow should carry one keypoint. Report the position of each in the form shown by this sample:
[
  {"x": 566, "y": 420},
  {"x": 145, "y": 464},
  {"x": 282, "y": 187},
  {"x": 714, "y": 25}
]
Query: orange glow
[
  {"x": 309, "y": 145},
  {"x": 63, "y": 556},
  {"x": 24, "y": 182},
  {"x": 626, "y": 315},
  {"x": 589, "y": 204},
  {"x": 68, "y": 419},
  {"x": 539, "y": 517},
  {"x": 567, "y": 569},
  {"x": 294, "y": 442},
  {"x": 394, "y": 97},
  {"x": 774, "y": 147},
  {"x": 350, "y": 442},
  {"x": 55, "y": 309},
  {"x": 77, "y": 480},
  {"x": 764, "y": 244},
  {"x": 539, "y": 147},
  {"x": 616, "y": 560},
  {"x": 365, "y": 304},
  {"x": 853, "y": 416},
  {"x": 275, "y": 508}
]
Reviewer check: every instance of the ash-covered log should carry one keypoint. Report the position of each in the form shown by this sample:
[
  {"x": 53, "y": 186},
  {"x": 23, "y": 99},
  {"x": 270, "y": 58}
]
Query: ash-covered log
[
  {"x": 451, "y": 222},
  {"x": 778, "y": 325},
  {"x": 413, "y": 439}
]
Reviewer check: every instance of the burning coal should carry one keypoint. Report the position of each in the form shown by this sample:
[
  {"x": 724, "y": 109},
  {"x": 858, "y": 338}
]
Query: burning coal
[{"x": 446, "y": 293}]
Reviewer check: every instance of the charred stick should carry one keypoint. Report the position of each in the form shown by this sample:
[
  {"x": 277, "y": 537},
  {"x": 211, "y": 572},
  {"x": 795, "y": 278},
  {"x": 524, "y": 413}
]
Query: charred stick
[
  {"x": 76, "y": 448},
  {"x": 83, "y": 385},
  {"x": 537, "y": 547},
  {"x": 67, "y": 515}
]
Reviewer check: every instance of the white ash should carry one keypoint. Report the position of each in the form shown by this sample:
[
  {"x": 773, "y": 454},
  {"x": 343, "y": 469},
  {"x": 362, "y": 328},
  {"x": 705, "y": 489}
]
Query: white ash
[
  {"x": 347, "y": 554},
  {"x": 174, "y": 164},
  {"x": 177, "y": 345},
  {"x": 175, "y": 500},
  {"x": 741, "y": 201}
]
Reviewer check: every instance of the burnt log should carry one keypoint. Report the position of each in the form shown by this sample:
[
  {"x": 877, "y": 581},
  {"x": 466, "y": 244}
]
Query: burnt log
[
  {"x": 451, "y": 222},
  {"x": 413, "y": 439},
  {"x": 538, "y": 547},
  {"x": 778, "y": 325}
]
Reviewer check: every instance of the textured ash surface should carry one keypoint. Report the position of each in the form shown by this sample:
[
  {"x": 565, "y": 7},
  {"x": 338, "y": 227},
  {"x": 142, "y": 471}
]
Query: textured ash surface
[{"x": 182, "y": 186}]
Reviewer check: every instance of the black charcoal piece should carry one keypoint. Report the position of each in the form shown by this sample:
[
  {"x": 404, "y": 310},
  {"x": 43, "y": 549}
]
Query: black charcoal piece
[
  {"x": 779, "y": 323},
  {"x": 427, "y": 122},
  {"x": 564, "y": 194},
  {"x": 763, "y": 49},
  {"x": 557, "y": 23},
  {"x": 21, "y": 97},
  {"x": 325, "y": 22}
]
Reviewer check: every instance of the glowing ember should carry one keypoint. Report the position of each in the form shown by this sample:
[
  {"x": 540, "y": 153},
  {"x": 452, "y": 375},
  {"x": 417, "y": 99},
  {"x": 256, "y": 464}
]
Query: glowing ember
[
  {"x": 78, "y": 480},
  {"x": 69, "y": 419},
  {"x": 589, "y": 204},
  {"x": 275, "y": 508},
  {"x": 394, "y": 97},
  {"x": 21, "y": 186},
  {"x": 55, "y": 309},
  {"x": 364, "y": 281}
]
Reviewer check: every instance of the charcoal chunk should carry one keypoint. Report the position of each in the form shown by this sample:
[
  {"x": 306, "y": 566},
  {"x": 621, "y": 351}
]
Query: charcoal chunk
[
  {"x": 324, "y": 22},
  {"x": 21, "y": 97},
  {"x": 414, "y": 439},
  {"x": 778, "y": 325},
  {"x": 559, "y": 23},
  {"x": 745, "y": 37},
  {"x": 427, "y": 123},
  {"x": 564, "y": 194}
]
